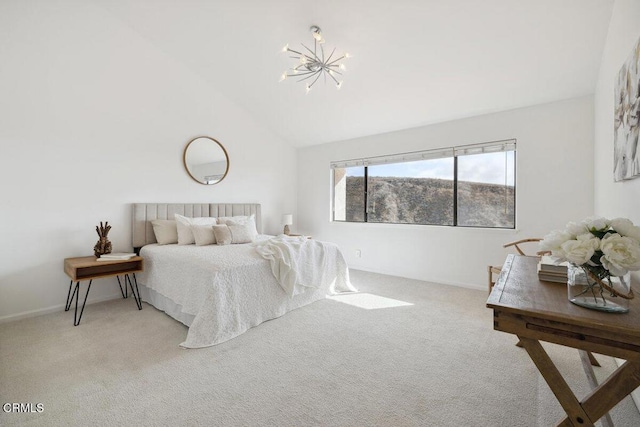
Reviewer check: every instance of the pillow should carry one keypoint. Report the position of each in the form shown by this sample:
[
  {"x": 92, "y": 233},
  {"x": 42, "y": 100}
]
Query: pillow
[
  {"x": 248, "y": 221},
  {"x": 222, "y": 233},
  {"x": 224, "y": 219},
  {"x": 165, "y": 230},
  {"x": 203, "y": 234},
  {"x": 185, "y": 235},
  {"x": 240, "y": 234}
]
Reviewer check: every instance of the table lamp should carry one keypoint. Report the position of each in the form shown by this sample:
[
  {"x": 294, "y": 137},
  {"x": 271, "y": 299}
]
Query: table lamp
[{"x": 287, "y": 220}]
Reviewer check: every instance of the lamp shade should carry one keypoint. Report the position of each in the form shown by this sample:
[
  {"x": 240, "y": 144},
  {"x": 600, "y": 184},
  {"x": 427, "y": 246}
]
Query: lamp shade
[{"x": 287, "y": 219}]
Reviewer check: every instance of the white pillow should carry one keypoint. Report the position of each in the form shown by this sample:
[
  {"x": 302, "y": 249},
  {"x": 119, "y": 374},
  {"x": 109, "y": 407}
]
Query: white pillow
[
  {"x": 222, "y": 233},
  {"x": 248, "y": 221},
  {"x": 241, "y": 233},
  {"x": 166, "y": 231},
  {"x": 185, "y": 235},
  {"x": 203, "y": 234},
  {"x": 238, "y": 219}
]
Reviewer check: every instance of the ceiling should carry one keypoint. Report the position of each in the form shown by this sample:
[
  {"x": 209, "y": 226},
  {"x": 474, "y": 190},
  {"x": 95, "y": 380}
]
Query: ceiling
[{"x": 415, "y": 62}]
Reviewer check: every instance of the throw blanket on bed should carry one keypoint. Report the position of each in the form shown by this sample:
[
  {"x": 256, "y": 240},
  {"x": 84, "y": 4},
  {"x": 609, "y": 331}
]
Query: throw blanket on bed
[{"x": 297, "y": 263}]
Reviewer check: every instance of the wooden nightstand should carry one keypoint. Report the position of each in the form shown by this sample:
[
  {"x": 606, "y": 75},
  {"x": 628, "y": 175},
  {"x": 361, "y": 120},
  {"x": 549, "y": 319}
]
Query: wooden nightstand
[{"x": 88, "y": 268}]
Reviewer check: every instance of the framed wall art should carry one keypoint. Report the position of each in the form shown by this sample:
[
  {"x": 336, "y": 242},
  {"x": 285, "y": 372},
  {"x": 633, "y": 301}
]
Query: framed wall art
[{"x": 626, "y": 111}]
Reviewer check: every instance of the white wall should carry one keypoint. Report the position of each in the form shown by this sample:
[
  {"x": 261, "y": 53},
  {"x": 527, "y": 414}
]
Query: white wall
[
  {"x": 93, "y": 118},
  {"x": 554, "y": 186},
  {"x": 614, "y": 199}
]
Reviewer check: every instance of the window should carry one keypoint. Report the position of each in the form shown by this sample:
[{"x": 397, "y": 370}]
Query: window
[
  {"x": 349, "y": 191},
  {"x": 468, "y": 186}
]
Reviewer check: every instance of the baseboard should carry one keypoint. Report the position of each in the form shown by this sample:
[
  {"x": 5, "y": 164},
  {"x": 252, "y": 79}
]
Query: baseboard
[
  {"x": 442, "y": 282},
  {"x": 52, "y": 309},
  {"x": 635, "y": 395}
]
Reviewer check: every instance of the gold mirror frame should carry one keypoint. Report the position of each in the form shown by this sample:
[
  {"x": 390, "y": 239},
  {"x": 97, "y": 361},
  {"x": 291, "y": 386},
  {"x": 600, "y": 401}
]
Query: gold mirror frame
[{"x": 189, "y": 171}]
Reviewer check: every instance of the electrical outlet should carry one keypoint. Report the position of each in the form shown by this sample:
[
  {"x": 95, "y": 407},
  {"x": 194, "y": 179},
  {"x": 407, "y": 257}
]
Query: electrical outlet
[{"x": 358, "y": 253}]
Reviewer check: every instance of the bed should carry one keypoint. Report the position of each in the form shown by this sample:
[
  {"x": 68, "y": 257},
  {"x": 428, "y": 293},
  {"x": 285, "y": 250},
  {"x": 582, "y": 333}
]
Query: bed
[{"x": 219, "y": 292}]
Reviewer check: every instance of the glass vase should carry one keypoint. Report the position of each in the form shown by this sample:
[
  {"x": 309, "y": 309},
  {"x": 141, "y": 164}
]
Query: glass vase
[{"x": 585, "y": 291}]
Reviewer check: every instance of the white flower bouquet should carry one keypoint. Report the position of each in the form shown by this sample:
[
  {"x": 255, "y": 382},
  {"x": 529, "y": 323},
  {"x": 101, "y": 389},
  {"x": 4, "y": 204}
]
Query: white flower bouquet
[
  {"x": 604, "y": 249},
  {"x": 608, "y": 247}
]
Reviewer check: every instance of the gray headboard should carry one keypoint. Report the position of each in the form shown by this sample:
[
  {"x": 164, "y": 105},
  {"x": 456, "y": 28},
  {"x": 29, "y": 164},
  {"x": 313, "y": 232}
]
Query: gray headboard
[{"x": 144, "y": 213}]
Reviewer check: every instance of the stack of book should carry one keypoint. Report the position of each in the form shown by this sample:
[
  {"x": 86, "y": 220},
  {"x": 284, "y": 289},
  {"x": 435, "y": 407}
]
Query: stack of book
[
  {"x": 551, "y": 270},
  {"x": 116, "y": 256}
]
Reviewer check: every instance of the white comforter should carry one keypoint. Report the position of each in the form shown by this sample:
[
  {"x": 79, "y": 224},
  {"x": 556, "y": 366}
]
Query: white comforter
[{"x": 228, "y": 289}]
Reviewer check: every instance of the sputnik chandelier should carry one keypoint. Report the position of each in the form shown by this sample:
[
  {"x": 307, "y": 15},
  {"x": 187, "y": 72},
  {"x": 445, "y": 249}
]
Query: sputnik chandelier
[{"x": 312, "y": 64}]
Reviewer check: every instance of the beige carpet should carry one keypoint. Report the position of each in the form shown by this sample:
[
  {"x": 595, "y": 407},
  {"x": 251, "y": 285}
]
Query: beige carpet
[{"x": 408, "y": 353}]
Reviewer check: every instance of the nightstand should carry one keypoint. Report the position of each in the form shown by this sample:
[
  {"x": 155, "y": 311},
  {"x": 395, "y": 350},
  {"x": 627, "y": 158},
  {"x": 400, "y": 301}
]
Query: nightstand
[{"x": 89, "y": 268}]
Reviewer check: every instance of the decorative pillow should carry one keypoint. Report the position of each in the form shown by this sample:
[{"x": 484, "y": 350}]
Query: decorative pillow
[
  {"x": 248, "y": 221},
  {"x": 240, "y": 233},
  {"x": 185, "y": 235},
  {"x": 240, "y": 218},
  {"x": 165, "y": 230},
  {"x": 203, "y": 234},
  {"x": 222, "y": 233}
]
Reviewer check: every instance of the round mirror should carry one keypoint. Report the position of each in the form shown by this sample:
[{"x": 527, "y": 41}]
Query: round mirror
[{"x": 206, "y": 160}]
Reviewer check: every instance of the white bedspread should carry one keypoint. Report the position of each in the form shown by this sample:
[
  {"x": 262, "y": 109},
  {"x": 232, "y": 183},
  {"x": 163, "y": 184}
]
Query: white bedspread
[{"x": 229, "y": 289}]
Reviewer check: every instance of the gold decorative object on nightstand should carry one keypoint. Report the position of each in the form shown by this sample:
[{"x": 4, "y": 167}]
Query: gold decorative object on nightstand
[{"x": 103, "y": 246}]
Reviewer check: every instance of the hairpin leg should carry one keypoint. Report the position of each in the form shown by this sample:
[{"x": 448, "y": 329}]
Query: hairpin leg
[
  {"x": 125, "y": 292},
  {"x": 76, "y": 293},
  {"x": 70, "y": 297},
  {"x": 136, "y": 291}
]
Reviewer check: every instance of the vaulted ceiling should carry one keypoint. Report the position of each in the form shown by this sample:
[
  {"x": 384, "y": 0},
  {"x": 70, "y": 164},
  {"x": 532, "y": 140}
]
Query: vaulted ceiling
[{"x": 415, "y": 62}]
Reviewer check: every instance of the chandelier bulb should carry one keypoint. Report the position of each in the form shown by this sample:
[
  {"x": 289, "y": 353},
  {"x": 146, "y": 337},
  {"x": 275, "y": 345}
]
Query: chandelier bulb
[
  {"x": 347, "y": 55},
  {"x": 342, "y": 67},
  {"x": 339, "y": 84},
  {"x": 308, "y": 89},
  {"x": 283, "y": 76},
  {"x": 285, "y": 48}
]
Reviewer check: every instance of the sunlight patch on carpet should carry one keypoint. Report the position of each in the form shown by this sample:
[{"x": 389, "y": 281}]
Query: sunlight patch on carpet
[{"x": 369, "y": 301}]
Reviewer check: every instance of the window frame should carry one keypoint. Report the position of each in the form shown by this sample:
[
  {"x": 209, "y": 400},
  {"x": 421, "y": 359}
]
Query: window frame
[{"x": 457, "y": 151}]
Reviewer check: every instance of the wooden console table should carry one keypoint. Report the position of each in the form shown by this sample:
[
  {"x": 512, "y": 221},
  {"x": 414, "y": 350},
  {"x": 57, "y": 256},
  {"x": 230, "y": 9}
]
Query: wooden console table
[
  {"x": 540, "y": 311},
  {"x": 88, "y": 268}
]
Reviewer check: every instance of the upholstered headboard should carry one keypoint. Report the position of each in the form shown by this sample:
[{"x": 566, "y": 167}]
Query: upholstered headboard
[{"x": 144, "y": 213}]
